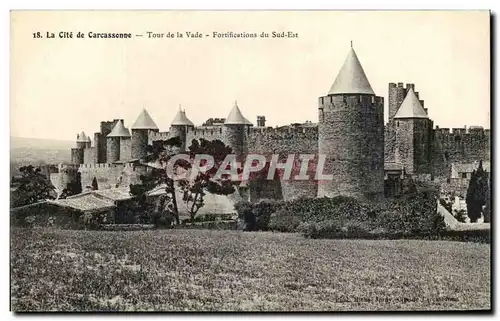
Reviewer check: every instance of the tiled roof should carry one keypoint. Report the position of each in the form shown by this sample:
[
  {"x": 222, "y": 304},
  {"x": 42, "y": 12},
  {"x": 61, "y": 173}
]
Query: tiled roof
[
  {"x": 115, "y": 194},
  {"x": 84, "y": 202}
]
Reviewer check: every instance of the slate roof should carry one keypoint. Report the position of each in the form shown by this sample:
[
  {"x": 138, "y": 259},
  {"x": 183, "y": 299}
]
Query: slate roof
[
  {"x": 119, "y": 130},
  {"x": 144, "y": 121},
  {"x": 235, "y": 117},
  {"x": 181, "y": 119},
  {"x": 81, "y": 138},
  {"x": 351, "y": 78},
  {"x": 411, "y": 107}
]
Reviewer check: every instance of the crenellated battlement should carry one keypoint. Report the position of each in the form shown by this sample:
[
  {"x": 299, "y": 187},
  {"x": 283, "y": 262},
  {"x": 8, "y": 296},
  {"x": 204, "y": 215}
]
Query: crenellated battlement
[
  {"x": 205, "y": 131},
  {"x": 287, "y": 132},
  {"x": 158, "y": 136},
  {"x": 341, "y": 100},
  {"x": 105, "y": 166},
  {"x": 472, "y": 131}
]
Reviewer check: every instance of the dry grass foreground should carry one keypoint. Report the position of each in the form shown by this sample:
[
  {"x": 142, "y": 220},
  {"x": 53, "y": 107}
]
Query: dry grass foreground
[{"x": 198, "y": 270}]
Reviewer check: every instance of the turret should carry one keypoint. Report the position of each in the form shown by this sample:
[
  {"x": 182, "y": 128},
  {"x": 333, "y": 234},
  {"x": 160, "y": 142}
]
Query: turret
[
  {"x": 261, "y": 121},
  {"x": 114, "y": 140},
  {"x": 413, "y": 130},
  {"x": 81, "y": 140},
  {"x": 351, "y": 135},
  {"x": 140, "y": 134},
  {"x": 235, "y": 131},
  {"x": 77, "y": 154},
  {"x": 180, "y": 126}
]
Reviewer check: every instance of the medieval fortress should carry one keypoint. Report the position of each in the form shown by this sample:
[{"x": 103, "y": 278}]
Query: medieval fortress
[{"x": 365, "y": 156}]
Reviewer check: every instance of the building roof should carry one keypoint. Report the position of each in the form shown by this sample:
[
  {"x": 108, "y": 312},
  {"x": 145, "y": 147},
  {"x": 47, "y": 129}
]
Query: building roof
[
  {"x": 119, "y": 130},
  {"x": 235, "y": 117},
  {"x": 144, "y": 121},
  {"x": 81, "y": 138},
  {"x": 114, "y": 194},
  {"x": 84, "y": 202},
  {"x": 459, "y": 168},
  {"x": 411, "y": 107},
  {"x": 351, "y": 78},
  {"x": 181, "y": 119},
  {"x": 88, "y": 139}
]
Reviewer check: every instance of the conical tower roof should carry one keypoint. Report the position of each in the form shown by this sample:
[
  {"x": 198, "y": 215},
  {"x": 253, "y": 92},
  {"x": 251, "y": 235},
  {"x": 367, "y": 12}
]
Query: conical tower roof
[
  {"x": 89, "y": 140},
  {"x": 144, "y": 121},
  {"x": 181, "y": 119},
  {"x": 411, "y": 107},
  {"x": 119, "y": 130},
  {"x": 351, "y": 78},
  {"x": 81, "y": 138},
  {"x": 235, "y": 117}
]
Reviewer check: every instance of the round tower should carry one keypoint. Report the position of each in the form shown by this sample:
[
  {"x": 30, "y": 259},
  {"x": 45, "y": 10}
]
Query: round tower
[
  {"x": 351, "y": 135},
  {"x": 140, "y": 134},
  {"x": 114, "y": 140},
  {"x": 180, "y": 126},
  {"x": 235, "y": 132}
]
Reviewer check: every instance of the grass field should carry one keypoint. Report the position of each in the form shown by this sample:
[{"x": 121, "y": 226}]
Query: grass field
[{"x": 202, "y": 270}]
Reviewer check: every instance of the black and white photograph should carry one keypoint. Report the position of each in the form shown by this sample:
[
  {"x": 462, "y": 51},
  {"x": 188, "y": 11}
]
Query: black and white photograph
[{"x": 250, "y": 161}]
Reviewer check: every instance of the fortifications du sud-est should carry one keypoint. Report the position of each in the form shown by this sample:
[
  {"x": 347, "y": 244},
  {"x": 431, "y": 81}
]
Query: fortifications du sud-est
[{"x": 366, "y": 157}]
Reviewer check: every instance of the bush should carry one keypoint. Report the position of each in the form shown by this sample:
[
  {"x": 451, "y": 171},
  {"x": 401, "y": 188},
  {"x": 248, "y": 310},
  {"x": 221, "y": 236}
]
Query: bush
[
  {"x": 94, "y": 221},
  {"x": 256, "y": 217},
  {"x": 292, "y": 214},
  {"x": 446, "y": 205}
]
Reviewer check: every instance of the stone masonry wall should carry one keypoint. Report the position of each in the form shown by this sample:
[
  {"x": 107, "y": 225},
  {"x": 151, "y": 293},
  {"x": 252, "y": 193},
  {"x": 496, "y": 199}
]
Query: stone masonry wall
[
  {"x": 89, "y": 156},
  {"x": 351, "y": 135},
  {"x": 125, "y": 148}
]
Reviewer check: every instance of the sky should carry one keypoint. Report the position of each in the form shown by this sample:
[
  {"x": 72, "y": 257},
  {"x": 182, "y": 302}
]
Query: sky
[{"x": 63, "y": 86}]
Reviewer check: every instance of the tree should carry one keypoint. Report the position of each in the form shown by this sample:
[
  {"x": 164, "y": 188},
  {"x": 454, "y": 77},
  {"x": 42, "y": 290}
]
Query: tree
[
  {"x": 194, "y": 188},
  {"x": 159, "y": 153},
  {"x": 32, "y": 187},
  {"x": 95, "y": 187},
  {"x": 74, "y": 187},
  {"x": 487, "y": 207},
  {"x": 477, "y": 193}
]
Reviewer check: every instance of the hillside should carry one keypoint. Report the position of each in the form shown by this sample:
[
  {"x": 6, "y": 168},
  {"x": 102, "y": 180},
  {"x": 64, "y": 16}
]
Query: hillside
[{"x": 36, "y": 151}]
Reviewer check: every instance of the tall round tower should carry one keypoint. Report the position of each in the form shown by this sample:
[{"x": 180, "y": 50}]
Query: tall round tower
[
  {"x": 351, "y": 135},
  {"x": 235, "y": 132},
  {"x": 140, "y": 134},
  {"x": 113, "y": 141},
  {"x": 180, "y": 126}
]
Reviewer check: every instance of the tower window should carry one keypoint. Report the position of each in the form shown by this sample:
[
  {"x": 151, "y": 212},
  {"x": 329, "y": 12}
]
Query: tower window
[{"x": 397, "y": 123}]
